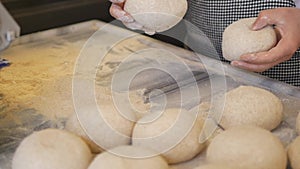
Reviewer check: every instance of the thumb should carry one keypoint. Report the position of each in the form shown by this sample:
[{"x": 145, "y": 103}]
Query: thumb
[{"x": 260, "y": 22}]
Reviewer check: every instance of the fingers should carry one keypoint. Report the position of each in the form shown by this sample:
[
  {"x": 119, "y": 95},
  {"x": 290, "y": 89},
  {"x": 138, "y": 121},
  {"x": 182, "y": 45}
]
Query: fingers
[
  {"x": 267, "y": 17},
  {"x": 117, "y": 1},
  {"x": 282, "y": 49},
  {"x": 133, "y": 25},
  {"x": 257, "y": 67},
  {"x": 260, "y": 22},
  {"x": 117, "y": 12}
]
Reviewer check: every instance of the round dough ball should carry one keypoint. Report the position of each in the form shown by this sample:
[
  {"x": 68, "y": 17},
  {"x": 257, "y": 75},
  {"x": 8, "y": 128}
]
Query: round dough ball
[
  {"x": 156, "y": 15},
  {"x": 107, "y": 127},
  {"x": 239, "y": 39},
  {"x": 73, "y": 125},
  {"x": 173, "y": 133},
  {"x": 248, "y": 105},
  {"x": 294, "y": 153},
  {"x": 247, "y": 147},
  {"x": 298, "y": 124},
  {"x": 214, "y": 166},
  {"x": 134, "y": 159},
  {"x": 52, "y": 148}
]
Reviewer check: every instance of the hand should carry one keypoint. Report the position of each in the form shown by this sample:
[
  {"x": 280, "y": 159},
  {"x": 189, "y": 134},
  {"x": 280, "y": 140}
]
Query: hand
[
  {"x": 287, "y": 26},
  {"x": 117, "y": 11}
]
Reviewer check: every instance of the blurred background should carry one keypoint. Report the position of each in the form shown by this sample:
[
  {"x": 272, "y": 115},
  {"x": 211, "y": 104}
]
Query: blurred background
[{"x": 37, "y": 15}]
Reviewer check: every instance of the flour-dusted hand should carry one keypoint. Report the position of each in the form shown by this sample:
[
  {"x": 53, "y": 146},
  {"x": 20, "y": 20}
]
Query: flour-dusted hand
[
  {"x": 287, "y": 24},
  {"x": 117, "y": 11}
]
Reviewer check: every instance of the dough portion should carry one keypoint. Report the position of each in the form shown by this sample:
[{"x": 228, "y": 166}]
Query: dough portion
[
  {"x": 239, "y": 39},
  {"x": 174, "y": 134},
  {"x": 294, "y": 153},
  {"x": 248, "y": 105},
  {"x": 214, "y": 166},
  {"x": 134, "y": 159},
  {"x": 298, "y": 124},
  {"x": 108, "y": 126},
  {"x": 74, "y": 126},
  {"x": 156, "y": 15},
  {"x": 52, "y": 148},
  {"x": 248, "y": 147}
]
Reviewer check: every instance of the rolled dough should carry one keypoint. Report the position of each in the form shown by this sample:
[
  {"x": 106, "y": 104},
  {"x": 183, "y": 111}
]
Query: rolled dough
[
  {"x": 214, "y": 166},
  {"x": 239, "y": 39},
  {"x": 248, "y": 105},
  {"x": 156, "y": 15},
  {"x": 52, "y": 149},
  {"x": 294, "y": 153},
  {"x": 248, "y": 147},
  {"x": 298, "y": 124},
  {"x": 74, "y": 126},
  {"x": 167, "y": 135},
  {"x": 134, "y": 159}
]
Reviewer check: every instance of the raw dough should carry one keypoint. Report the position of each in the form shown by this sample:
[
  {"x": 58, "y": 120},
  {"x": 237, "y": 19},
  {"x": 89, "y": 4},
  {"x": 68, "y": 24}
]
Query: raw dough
[
  {"x": 171, "y": 134},
  {"x": 239, "y": 39},
  {"x": 74, "y": 126},
  {"x": 298, "y": 124},
  {"x": 248, "y": 147},
  {"x": 107, "y": 127},
  {"x": 248, "y": 105},
  {"x": 156, "y": 15},
  {"x": 52, "y": 148},
  {"x": 214, "y": 166},
  {"x": 294, "y": 153},
  {"x": 108, "y": 160}
]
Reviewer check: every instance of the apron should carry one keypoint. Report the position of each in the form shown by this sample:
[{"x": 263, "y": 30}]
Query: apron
[{"x": 213, "y": 16}]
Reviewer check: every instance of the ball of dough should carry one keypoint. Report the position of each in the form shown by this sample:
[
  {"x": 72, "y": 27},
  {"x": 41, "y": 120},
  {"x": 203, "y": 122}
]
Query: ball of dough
[
  {"x": 246, "y": 147},
  {"x": 156, "y": 15},
  {"x": 174, "y": 134},
  {"x": 248, "y": 105},
  {"x": 126, "y": 157},
  {"x": 294, "y": 153},
  {"x": 239, "y": 39},
  {"x": 73, "y": 125},
  {"x": 214, "y": 166},
  {"x": 107, "y": 127},
  {"x": 298, "y": 124},
  {"x": 52, "y": 148}
]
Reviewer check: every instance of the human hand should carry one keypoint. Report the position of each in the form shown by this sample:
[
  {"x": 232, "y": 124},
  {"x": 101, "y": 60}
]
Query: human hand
[
  {"x": 287, "y": 26},
  {"x": 117, "y": 11}
]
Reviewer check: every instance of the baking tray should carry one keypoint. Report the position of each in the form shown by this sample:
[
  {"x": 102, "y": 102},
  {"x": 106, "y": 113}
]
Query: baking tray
[{"x": 47, "y": 59}]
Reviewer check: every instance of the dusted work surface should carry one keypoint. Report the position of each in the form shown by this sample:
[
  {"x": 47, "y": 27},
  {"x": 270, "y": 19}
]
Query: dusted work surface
[{"x": 36, "y": 90}]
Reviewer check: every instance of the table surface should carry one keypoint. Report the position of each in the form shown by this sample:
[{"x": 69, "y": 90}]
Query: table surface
[{"x": 36, "y": 90}]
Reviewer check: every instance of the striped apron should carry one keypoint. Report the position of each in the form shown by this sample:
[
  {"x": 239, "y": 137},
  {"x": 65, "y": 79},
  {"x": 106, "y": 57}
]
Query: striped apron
[{"x": 213, "y": 16}]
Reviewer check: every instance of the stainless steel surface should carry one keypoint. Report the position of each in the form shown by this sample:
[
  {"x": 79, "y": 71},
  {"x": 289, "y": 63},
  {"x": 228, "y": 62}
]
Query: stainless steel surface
[
  {"x": 9, "y": 29},
  {"x": 49, "y": 102}
]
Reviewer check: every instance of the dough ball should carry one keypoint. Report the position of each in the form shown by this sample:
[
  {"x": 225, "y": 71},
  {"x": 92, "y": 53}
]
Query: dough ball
[
  {"x": 239, "y": 39},
  {"x": 298, "y": 124},
  {"x": 248, "y": 147},
  {"x": 173, "y": 133},
  {"x": 52, "y": 148},
  {"x": 156, "y": 15},
  {"x": 294, "y": 153},
  {"x": 74, "y": 126},
  {"x": 128, "y": 157},
  {"x": 214, "y": 166},
  {"x": 108, "y": 126},
  {"x": 248, "y": 105}
]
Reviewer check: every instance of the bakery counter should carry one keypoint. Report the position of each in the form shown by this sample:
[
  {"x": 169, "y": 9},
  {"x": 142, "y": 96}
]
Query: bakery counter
[{"x": 37, "y": 90}]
